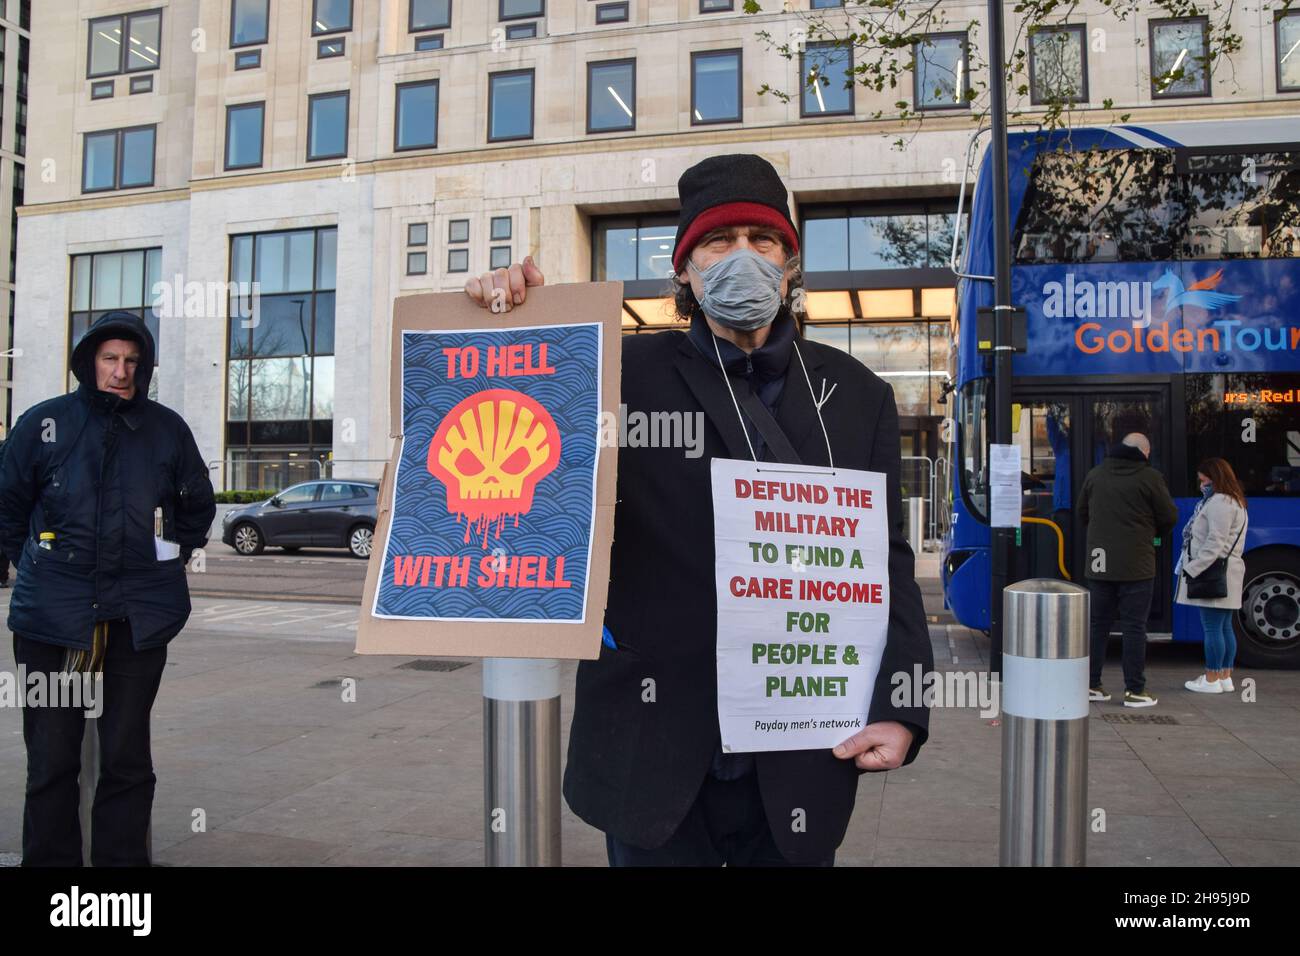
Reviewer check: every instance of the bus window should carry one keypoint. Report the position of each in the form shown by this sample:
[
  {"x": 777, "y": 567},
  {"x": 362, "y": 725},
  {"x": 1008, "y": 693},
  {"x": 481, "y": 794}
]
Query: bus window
[
  {"x": 1113, "y": 419},
  {"x": 1251, "y": 419},
  {"x": 1242, "y": 206},
  {"x": 972, "y": 447},
  {"x": 1100, "y": 206}
]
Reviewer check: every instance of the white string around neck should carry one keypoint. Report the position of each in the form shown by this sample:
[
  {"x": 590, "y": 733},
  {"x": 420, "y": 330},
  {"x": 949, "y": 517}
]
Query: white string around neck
[{"x": 817, "y": 405}]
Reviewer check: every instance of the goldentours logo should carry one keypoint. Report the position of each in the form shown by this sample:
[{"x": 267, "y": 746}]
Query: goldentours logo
[
  {"x": 1130, "y": 301},
  {"x": 95, "y": 910}
]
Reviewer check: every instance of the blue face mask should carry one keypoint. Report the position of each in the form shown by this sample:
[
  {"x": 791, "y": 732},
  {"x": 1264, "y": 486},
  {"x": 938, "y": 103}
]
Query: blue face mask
[
  {"x": 742, "y": 291},
  {"x": 1207, "y": 489}
]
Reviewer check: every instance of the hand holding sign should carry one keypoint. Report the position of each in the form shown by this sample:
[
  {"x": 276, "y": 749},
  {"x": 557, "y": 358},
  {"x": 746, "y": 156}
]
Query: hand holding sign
[
  {"x": 878, "y": 746},
  {"x": 502, "y": 289}
]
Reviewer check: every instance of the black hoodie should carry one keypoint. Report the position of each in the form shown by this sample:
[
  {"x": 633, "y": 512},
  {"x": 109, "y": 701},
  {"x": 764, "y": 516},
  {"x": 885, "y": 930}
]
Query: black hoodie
[{"x": 92, "y": 467}]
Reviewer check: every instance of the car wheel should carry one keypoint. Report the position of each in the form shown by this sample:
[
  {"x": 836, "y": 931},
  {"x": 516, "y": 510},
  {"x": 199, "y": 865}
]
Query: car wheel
[
  {"x": 360, "y": 540},
  {"x": 248, "y": 540},
  {"x": 1268, "y": 624}
]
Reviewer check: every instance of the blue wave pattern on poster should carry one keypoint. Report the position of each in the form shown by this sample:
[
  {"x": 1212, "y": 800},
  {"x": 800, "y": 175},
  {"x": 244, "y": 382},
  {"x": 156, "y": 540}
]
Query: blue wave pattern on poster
[{"x": 560, "y": 519}]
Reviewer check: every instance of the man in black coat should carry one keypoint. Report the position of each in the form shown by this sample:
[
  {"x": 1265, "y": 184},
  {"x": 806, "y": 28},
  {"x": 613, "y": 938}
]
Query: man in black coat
[
  {"x": 645, "y": 763},
  {"x": 98, "y": 590}
]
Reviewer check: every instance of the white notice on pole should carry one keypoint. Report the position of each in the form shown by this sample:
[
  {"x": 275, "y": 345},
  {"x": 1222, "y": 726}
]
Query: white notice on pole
[
  {"x": 802, "y": 565},
  {"x": 1004, "y": 486}
]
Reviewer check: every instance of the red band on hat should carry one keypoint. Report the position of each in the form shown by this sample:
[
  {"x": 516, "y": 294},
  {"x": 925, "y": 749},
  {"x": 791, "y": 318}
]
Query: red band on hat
[{"x": 732, "y": 214}]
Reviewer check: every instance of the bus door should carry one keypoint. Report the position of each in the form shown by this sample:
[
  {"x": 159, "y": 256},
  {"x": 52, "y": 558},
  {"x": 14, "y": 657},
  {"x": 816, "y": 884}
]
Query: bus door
[
  {"x": 1043, "y": 425},
  {"x": 1062, "y": 434}
]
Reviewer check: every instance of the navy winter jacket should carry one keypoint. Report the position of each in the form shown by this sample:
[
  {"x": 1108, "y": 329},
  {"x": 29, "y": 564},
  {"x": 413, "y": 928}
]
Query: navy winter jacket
[{"x": 91, "y": 467}]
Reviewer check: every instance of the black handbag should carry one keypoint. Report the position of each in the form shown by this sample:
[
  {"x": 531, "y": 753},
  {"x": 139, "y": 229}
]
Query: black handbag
[{"x": 1213, "y": 581}]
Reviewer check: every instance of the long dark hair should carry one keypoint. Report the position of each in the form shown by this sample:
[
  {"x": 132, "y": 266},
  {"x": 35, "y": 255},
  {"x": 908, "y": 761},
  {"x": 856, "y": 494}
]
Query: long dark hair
[{"x": 1223, "y": 478}]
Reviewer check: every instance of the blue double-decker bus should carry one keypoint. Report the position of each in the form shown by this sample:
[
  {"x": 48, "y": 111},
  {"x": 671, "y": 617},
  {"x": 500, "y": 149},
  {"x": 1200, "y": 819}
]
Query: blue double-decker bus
[{"x": 1159, "y": 271}]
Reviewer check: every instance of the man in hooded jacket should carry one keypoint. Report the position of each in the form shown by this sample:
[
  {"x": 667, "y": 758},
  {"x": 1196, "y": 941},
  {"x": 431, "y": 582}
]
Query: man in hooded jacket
[{"x": 84, "y": 477}]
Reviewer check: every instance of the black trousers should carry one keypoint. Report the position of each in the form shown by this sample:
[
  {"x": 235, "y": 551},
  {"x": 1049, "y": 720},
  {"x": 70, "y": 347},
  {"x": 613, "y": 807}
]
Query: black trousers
[
  {"x": 124, "y": 791},
  {"x": 725, "y": 825},
  {"x": 1129, "y": 602}
]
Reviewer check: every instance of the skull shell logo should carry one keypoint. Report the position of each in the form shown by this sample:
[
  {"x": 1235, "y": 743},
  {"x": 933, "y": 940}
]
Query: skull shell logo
[{"x": 490, "y": 451}]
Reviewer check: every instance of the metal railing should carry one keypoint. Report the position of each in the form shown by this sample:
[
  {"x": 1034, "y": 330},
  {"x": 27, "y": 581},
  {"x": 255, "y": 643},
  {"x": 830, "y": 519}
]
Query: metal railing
[
  {"x": 270, "y": 474},
  {"x": 917, "y": 479},
  {"x": 276, "y": 474}
]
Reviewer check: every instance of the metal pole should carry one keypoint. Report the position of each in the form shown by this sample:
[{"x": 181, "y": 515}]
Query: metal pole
[
  {"x": 1002, "y": 537},
  {"x": 916, "y": 524},
  {"x": 521, "y": 762},
  {"x": 1045, "y": 724}
]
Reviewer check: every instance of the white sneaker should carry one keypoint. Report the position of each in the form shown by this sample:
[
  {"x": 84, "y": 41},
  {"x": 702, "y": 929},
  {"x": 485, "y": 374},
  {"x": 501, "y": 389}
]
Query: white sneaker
[
  {"x": 1203, "y": 686},
  {"x": 1226, "y": 684}
]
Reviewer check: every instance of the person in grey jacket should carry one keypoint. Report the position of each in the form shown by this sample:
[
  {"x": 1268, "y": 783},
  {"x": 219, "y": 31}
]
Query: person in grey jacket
[{"x": 1217, "y": 529}]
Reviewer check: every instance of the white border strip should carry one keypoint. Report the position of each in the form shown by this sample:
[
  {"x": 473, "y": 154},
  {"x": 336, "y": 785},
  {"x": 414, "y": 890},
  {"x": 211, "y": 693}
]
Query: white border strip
[{"x": 1045, "y": 688}]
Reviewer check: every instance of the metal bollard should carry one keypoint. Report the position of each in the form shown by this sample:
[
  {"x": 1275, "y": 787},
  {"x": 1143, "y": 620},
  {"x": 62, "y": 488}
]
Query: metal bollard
[
  {"x": 916, "y": 524},
  {"x": 1044, "y": 724},
  {"x": 521, "y": 762}
]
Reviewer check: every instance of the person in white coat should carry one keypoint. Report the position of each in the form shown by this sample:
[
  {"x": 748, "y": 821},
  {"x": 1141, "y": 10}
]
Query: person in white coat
[{"x": 1216, "y": 530}]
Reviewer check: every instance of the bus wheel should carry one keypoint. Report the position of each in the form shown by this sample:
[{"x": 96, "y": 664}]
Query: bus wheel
[{"x": 1268, "y": 624}]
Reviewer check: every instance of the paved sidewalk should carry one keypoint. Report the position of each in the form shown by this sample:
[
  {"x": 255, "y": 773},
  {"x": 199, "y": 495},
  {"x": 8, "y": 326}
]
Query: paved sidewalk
[{"x": 251, "y": 730}]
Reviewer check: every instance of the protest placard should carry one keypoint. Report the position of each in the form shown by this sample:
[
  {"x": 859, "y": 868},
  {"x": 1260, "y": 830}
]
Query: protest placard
[
  {"x": 496, "y": 511},
  {"x": 802, "y": 565}
]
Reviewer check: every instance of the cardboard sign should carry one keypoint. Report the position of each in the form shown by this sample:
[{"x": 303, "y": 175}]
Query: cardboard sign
[
  {"x": 802, "y": 566},
  {"x": 496, "y": 509}
]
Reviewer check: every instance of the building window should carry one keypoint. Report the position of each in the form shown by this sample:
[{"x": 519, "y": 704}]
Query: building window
[
  {"x": 1178, "y": 58},
  {"x": 248, "y": 60},
  {"x": 458, "y": 260},
  {"x": 429, "y": 15},
  {"x": 611, "y": 96},
  {"x": 826, "y": 4},
  {"x": 432, "y": 41},
  {"x": 118, "y": 159},
  {"x": 519, "y": 9},
  {"x": 1286, "y": 30},
  {"x": 417, "y": 263},
  {"x": 417, "y": 234},
  {"x": 716, "y": 6},
  {"x": 331, "y": 16},
  {"x": 244, "y": 135},
  {"x": 416, "y": 125},
  {"x": 142, "y": 84},
  {"x": 102, "y": 90},
  {"x": 458, "y": 230},
  {"x": 911, "y": 356},
  {"x": 715, "y": 87},
  {"x": 521, "y": 31},
  {"x": 280, "y": 357},
  {"x": 941, "y": 72},
  {"x": 867, "y": 238},
  {"x": 499, "y": 257},
  {"x": 827, "y": 85},
  {"x": 125, "y": 44},
  {"x": 510, "y": 105},
  {"x": 248, "y": 22},
  {"x": 104, "y": 282},
  {"x": 501, "y": 228},
  {"x": 329, "y": 48},
  {"x": 327, "y": 125},
  {"x": 633, "y": 248},
  {"x": 611, "y": 12},
  {"x": 1058, "y": 64}
]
